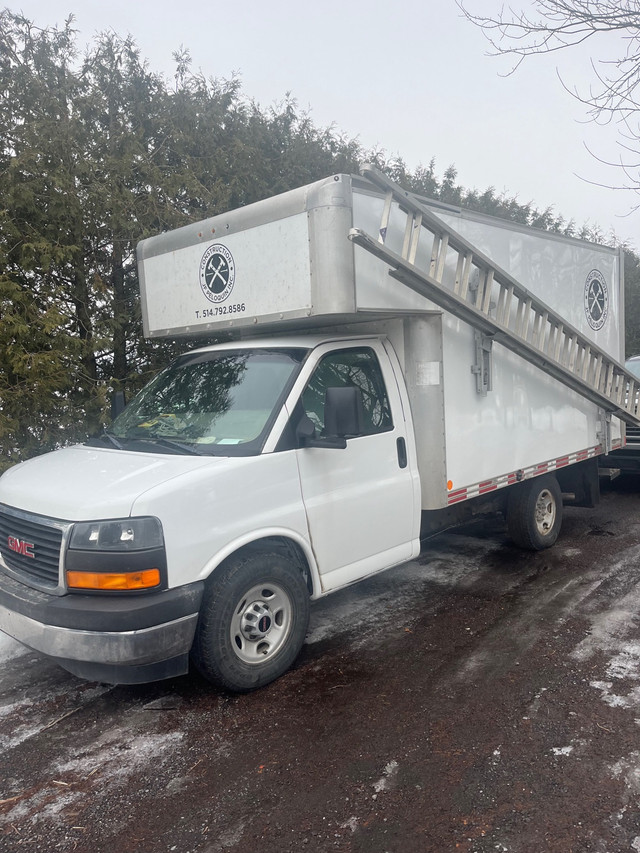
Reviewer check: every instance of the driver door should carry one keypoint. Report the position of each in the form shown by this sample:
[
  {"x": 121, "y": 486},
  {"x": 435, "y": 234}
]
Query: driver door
[{"x": 361, "y": 502}]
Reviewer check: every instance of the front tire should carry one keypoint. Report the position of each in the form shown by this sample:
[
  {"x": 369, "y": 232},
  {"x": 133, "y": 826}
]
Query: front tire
[
  {"x": 534, "y": 513},
  {"x": 253, "y": 621}
]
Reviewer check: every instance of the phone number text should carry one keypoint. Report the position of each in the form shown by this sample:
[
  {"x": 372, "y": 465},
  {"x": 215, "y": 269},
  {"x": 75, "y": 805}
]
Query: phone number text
[{"x": 220, "y": 310}]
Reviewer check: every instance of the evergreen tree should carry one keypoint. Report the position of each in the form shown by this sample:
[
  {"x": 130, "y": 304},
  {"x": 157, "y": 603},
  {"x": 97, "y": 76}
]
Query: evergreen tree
[{"x": 98, "y": 152}]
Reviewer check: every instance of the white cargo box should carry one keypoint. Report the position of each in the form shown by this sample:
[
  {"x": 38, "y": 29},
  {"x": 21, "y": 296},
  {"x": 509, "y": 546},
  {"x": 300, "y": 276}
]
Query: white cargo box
[{"x": 287, "y": 262}]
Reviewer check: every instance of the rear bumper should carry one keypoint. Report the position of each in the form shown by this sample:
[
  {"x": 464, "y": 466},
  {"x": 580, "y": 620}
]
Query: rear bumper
[{"x": 120, "y": 640}]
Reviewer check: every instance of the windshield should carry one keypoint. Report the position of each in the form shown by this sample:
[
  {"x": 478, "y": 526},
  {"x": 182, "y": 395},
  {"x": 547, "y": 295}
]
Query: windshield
[{"x": 219, "y": 403}]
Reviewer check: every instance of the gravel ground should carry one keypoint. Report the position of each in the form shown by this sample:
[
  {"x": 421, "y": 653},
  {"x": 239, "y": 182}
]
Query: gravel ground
[{"x": 478, "y": 699}]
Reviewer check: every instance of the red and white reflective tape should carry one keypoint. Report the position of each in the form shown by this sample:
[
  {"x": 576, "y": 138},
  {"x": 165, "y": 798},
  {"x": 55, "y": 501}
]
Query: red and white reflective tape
[{"x": 457, "y": 495}]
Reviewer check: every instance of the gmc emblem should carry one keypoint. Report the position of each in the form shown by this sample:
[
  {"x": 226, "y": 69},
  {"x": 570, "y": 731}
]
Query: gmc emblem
[{"x": 21, "y": 547}]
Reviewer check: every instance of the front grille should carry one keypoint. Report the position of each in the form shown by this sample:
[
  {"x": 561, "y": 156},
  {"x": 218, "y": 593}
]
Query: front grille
[{"x": 31, "y": 547}]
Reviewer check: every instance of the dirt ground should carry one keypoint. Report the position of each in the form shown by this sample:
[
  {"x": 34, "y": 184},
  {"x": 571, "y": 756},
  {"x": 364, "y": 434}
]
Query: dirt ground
[{"x": 478, "y": 699}]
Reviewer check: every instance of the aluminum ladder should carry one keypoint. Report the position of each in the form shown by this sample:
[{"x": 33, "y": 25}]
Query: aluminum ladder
[{"x": 495, "y": 304}]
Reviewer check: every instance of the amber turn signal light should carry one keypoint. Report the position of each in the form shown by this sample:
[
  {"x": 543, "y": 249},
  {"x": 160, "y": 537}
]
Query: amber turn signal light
[{"x": 114, "y": 581}]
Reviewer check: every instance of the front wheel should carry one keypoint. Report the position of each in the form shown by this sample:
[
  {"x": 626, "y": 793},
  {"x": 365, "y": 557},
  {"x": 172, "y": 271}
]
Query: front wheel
[
  {"x": 534, "y": 513},
  {"x": 253, "y": 622}
]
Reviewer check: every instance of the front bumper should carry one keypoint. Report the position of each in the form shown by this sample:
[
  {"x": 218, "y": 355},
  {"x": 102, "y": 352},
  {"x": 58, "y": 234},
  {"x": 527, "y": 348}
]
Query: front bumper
[{"x": 116, "y": 639}]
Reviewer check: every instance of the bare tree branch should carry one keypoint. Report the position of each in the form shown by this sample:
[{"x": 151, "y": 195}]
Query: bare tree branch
[{"x": 613, "y": 97}]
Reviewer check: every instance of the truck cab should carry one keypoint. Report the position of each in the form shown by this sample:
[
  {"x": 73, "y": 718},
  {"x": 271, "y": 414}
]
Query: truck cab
[{"x": 272, "y": 454}]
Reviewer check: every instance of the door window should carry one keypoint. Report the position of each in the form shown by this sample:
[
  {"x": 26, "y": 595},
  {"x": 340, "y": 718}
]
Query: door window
[{"x": 350, "y": 367}]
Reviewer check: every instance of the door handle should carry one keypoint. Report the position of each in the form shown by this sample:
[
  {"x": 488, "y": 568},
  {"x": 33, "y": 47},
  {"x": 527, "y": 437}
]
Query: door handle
[{"x": 401, "y": 447}]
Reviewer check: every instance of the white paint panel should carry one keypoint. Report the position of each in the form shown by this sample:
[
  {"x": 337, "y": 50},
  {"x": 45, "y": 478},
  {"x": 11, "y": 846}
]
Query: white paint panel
[
  {"x": 217, "y": 509},
  {"x": 272, "y": 275},
  {"x": 527, "y": 418},
  {"x": 427, "y": 373},
  {"x": 555, "y": 270}
]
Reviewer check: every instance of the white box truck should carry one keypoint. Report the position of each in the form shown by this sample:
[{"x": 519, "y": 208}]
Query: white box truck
[{"x": 388, "y": 366}]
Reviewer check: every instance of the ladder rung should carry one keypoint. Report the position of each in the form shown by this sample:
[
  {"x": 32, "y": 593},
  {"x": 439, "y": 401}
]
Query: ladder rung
[
  {"x": 504, "y": 312},
  {"x": 630, "y": 398},
  {"x": 559, "y": 340},
  {"x": 488, "y": 287},
  {"x": 586, "y": 362},
  {"x": 482, "y": 280},
  {"x": 540, "y": 330},
  {"x": 598, "y": 371},
  {"x": 520, "y": 317},
  {"x": 573, "y": 352},
  {"x": 608, "y": 385},
  {"x": 466, "y": 275},
  {"x": 457, "y": 282},
  {"x": 442, "y": 257},
  {"x": 386, "y": 213},
  {"x": 435, "y": 249}
]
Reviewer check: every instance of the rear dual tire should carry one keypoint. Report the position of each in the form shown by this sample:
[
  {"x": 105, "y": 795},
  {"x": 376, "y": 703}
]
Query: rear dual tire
[{"x": 534, "y": 513}]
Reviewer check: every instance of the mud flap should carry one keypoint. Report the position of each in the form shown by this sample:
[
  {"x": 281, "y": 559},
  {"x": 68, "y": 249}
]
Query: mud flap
[{"x": 580, "y": 483}]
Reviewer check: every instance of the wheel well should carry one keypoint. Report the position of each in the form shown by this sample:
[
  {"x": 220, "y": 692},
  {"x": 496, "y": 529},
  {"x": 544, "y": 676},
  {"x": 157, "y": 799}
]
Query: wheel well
[{"x": 280, "y": 545}]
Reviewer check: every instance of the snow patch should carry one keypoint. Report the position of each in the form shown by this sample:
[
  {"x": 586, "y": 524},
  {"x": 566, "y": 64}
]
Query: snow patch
[
  {"x": 15, "y": 707},
  {"x": 626, "y": 664},
  {"x": 351, "y": 824},
  {"x": 39, "y": 718},
  {"x": 230, "y": 838},
  {"x": 10, "y": 648},
  {"x": 386, "y": 781},
  {"x": 562, "y": 750},
  {"x": 118, "y": 757},
  {"x": 623, "y": 666},
  {"x": 534, "y": 707},
  {"x": 568, "y": 552},
  {"x": 609, "y": 633},
  {"x": 628, "y": 769},
  {"x": 610, "y": 627},
  {"x": 614, "y": 700},
  {"x": 112, "y": 759}
]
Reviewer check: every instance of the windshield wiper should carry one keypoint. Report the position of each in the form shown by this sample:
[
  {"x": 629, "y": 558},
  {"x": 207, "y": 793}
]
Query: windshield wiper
[
  {"x": 176, "y": 445},
  {"x": 110, "y": 438}
]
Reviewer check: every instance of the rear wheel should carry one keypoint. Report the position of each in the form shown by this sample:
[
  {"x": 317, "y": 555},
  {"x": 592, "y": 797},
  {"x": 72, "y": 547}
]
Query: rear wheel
[
  {"x": 253, "y": 621},
  {"x": 534, "y": 513}
]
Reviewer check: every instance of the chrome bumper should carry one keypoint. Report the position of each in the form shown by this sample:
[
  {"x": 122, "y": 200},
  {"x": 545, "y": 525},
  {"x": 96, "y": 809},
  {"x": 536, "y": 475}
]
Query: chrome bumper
[
  {"x": 117, "y": 639},
  {"x": 126, "y": 648}
]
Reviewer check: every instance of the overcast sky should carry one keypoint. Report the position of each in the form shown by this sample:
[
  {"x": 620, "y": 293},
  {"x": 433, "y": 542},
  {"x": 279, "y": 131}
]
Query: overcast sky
[{"x": 412, "y": 77}]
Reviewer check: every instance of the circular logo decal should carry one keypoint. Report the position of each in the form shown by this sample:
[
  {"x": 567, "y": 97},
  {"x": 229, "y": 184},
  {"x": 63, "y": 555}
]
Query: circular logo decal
[
  {"x": 217, "y": 273},
  {"x": 596, "y": 300},
  {"x": 264, "y": 624}
]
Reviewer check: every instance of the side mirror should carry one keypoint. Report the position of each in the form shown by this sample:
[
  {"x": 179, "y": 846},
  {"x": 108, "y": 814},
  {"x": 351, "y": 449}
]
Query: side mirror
[
  {"x": 342, "y": 417},
  {"x": 306, "y": 436},
  {"x": 118, "y": 403},
  {"x": 343, "y": 411}
]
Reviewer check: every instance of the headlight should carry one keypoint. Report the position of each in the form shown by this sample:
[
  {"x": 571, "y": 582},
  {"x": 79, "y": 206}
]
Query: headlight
[
  {"x": 119, "y": 555},
  {"x": 122, "y": 534}
]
